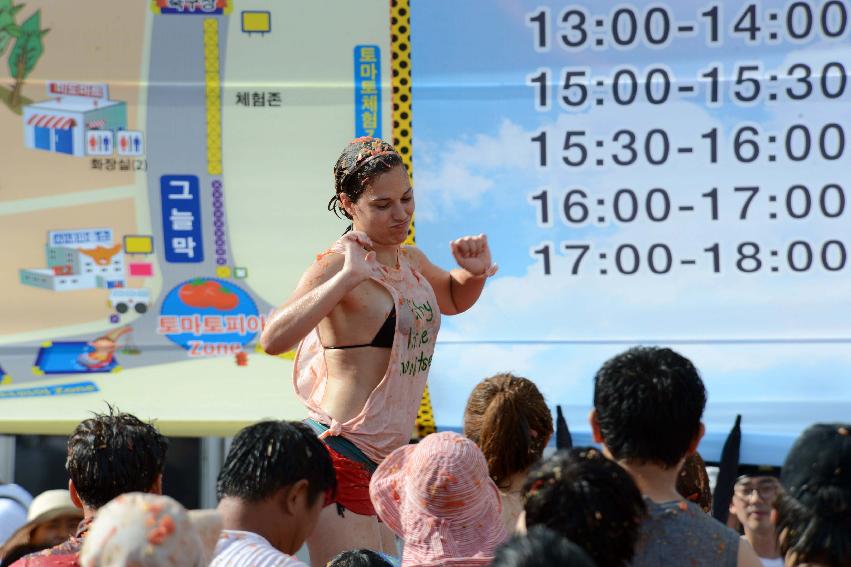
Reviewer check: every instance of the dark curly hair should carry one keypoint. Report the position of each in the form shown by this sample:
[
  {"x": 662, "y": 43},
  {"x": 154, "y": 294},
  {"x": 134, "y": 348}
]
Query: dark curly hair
[
  {"x": 114, "y": 453},
  {"x": 588, "y": 499},
  {"x": 270, "y": 455},
  {"x": 363, "y": 159},
  {"x": 540, "y": 546},
  {"x": 358, "y": 558},
  {"x": 814, "y": 511},
  {"x": 649, "y": 402}
]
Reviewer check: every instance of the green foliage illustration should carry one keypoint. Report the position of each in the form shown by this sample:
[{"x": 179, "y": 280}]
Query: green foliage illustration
[{"x": 25, "y": 53}]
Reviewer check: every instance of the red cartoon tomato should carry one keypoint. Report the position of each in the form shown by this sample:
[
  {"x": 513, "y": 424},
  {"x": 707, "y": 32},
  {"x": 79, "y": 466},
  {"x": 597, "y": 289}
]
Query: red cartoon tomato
[
  {"x": 202, "y": 294},
  {"x": 225, "y": 299}
]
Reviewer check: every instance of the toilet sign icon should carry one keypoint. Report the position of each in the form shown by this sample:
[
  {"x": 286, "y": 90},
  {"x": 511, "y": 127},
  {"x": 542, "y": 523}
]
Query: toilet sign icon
[
  {"x": 99, "y": 142},
  {"x": 130, "y": 143}
]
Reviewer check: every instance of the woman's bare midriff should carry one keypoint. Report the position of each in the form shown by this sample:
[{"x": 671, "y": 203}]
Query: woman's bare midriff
[{"x": 354, "y": 373}]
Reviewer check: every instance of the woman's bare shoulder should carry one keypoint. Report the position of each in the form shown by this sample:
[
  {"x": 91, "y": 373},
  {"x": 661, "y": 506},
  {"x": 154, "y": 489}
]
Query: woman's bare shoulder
[
  {"x": 414, "y": 255},
  {"x": 420, "y": 262},
  {"x": 324, "y": 267}
]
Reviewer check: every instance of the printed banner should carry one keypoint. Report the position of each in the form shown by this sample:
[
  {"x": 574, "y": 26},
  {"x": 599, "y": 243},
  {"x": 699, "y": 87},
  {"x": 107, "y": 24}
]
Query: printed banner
[{"x": 671, "y": 174}]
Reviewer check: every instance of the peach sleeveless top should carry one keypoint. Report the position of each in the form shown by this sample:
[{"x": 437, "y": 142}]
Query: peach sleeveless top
[{"x": 387, "y": 419}]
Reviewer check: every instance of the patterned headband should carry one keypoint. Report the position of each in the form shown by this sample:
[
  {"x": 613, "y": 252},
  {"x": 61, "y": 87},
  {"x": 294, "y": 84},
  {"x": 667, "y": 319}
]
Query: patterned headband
[{"x": 373, "y": 148}]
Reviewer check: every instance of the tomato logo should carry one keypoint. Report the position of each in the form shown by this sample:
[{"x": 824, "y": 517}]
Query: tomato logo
[
  {"x": 207, "y": 315},
  {"x": 203, "y": 293}
]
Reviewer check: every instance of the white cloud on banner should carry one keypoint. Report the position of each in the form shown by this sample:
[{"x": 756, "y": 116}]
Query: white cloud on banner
[
  {"x": 694, "y": 305},
  {"x": 456, "y": 175}
]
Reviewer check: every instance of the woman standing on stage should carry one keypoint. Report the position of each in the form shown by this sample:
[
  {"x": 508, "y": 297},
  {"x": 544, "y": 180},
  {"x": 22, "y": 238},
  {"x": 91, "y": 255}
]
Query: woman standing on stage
[{"x": 367, "y": 313}]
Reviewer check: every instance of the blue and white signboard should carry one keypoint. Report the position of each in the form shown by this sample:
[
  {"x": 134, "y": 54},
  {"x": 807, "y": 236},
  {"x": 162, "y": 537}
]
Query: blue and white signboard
[
  {"x": 181, "y": 217},
  {"x": 367, "y": 90}
]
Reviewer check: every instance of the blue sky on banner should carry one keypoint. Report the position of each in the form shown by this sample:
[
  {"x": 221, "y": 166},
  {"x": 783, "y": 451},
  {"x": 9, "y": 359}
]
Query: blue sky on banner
[{"x": 474, "y": 171}]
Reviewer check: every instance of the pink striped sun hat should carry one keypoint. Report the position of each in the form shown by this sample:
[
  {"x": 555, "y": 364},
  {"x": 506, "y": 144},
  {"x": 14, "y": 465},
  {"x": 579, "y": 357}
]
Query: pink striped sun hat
[{"x": 437, "y": 496}]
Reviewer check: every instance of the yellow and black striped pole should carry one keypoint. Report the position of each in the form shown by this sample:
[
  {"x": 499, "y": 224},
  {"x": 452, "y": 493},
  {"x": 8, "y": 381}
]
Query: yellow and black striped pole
[{"x": 400, "y": 65}]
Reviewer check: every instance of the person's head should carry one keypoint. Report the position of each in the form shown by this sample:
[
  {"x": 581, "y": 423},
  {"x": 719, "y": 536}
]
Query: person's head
[
  {"x": 438, "y": 497},
  {"x": 648, "y": 403},
  {"x": 150, "y": 530},
  {"x": 753, "y": 497},
  {"x": 285, "y": 468},
  {"x": 588, "y": 499},
  {"x": 52, "y": 518},
  {"x": 358, "y": 558},
  {"x": 373, "y": 190},
  {"x": 813, "y": 513},
  {"x": 507, "y": 417},
  {"x": 693, "y": 482},
  {"x": 541, "y": 547},
  {"x": 113, "y": 453}
]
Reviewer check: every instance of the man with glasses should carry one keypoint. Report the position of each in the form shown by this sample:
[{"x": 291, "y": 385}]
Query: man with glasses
[{"x": 753, "y": 496}]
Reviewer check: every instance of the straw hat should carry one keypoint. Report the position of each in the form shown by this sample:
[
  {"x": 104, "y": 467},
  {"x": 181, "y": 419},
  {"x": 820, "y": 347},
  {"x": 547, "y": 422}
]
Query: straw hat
[
  {"x": 48, "y": 505},
  {"x": 438, "y": 497},
  {"x": 150, "y": 530}
]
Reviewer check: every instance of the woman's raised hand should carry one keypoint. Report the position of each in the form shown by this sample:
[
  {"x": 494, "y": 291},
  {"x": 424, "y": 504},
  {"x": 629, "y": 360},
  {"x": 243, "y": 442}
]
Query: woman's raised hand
[
  {"x": 359, "y": 256},
  {"x": 473, "y": 254}
]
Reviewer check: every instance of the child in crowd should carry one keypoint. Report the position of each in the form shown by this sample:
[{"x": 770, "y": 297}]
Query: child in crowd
[
  {"x": 51, "y": 519},
  {"x": 438, "y": 497},
  {"x": 271, "y": 490},
  {"x": 814, "y": 512},
  {"x": 108, "y": 455},
  {"x": 541, "y": 547},
  {"x": 648, "y": 404},
  {"x": 150, "y": 530},
  {"x": 507, "y": 417},
  {"x": 588, "y": 499},
  {"x": 361, "y": 558}
]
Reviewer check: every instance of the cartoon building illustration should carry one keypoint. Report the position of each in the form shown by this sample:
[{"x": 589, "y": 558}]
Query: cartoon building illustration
[
  {"x": 79, "y": 259},
  {"x": 59, "y": 123}
]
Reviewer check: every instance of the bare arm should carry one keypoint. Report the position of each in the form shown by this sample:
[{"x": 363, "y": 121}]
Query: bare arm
[
  {"x": 465, "y": 288},
  {"x": 459, "y": 289},
  {"x": 320, "y": 289}
]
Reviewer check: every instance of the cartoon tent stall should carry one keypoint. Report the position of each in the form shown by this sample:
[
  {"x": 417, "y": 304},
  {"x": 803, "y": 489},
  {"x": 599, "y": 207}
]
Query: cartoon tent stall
[{"x": 59, "y": 124}]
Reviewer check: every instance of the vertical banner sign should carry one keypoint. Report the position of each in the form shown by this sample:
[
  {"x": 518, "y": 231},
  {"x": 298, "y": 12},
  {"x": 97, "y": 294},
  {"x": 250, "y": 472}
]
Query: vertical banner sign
[
  {"x": 367, "y": 91},
  {"x": 181, "y": 214}
]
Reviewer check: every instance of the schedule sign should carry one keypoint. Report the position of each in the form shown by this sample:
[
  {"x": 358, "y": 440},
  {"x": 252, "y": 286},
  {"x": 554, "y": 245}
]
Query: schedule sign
[{"x": 647, "y": 173}]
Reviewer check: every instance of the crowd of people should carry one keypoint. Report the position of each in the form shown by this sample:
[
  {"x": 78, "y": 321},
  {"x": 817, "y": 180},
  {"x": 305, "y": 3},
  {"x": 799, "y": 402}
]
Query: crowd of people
[
  {"x": 488, "y": 497},
  {"x": 347, "y": 482}
]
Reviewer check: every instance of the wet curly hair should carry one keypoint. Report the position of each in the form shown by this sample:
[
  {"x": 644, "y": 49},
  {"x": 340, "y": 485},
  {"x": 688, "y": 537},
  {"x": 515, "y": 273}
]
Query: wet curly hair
[
  {"x": 113, "y": 453},
  {"x": 814, "y": 510},
  {"x": 361, "y": 161},
  {"x": 588, "y": 499}
]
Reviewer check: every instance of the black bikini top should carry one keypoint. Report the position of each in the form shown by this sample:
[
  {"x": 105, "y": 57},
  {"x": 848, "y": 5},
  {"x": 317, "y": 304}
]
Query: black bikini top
[{"x": 383, "y": 338}]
